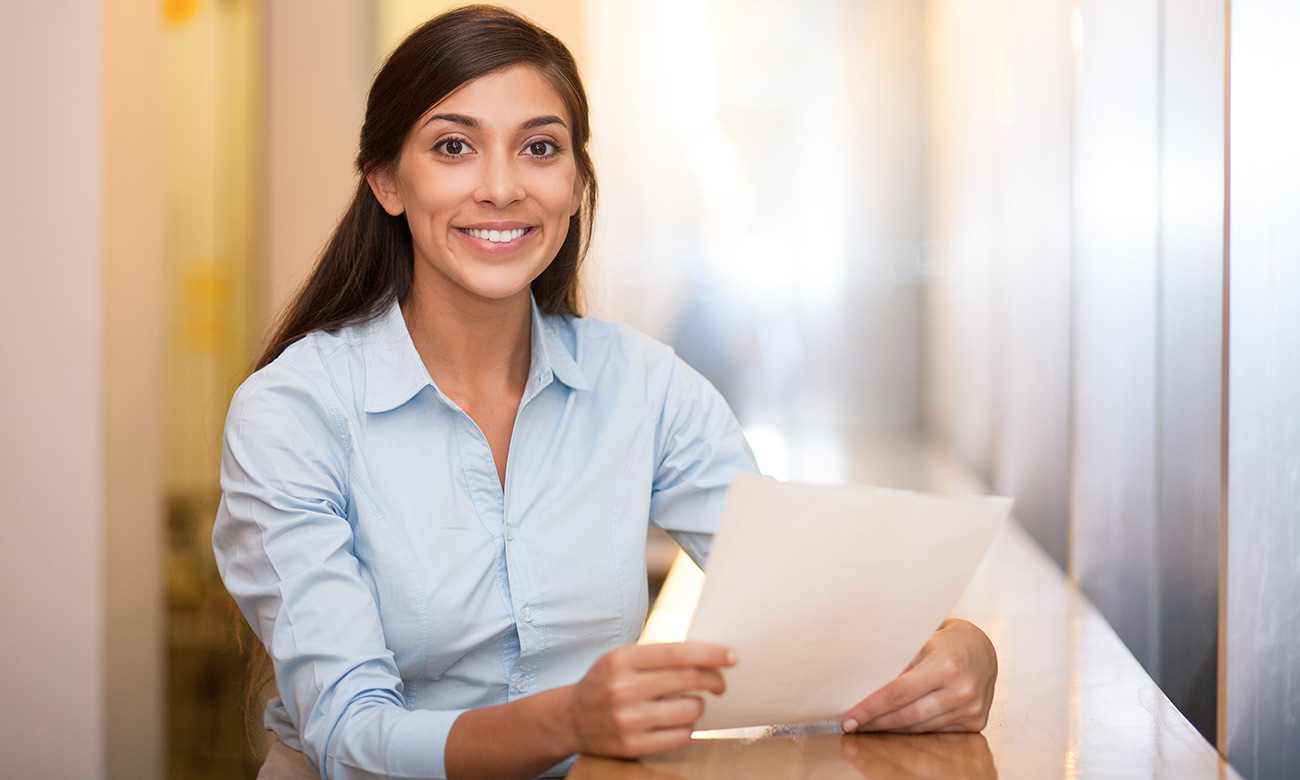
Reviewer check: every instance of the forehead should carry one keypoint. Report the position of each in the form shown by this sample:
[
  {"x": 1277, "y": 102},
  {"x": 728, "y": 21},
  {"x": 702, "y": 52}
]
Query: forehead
[{"x": 504, "y": 98}]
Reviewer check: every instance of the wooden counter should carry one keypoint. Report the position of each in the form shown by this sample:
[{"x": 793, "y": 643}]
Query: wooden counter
[{"x": 1071, "y": 701}]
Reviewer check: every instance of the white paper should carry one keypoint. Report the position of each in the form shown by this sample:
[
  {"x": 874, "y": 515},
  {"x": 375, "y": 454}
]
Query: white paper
[{"x": 827, "y": 592}]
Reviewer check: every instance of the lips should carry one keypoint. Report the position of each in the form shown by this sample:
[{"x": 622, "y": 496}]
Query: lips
[{"x": 496, "y": 236}]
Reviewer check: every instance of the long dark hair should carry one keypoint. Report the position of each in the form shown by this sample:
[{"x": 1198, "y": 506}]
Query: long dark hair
[{"x": 368, "y": 261}]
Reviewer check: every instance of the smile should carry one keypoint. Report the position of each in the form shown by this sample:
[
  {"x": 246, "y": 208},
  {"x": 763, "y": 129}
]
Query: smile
[{"x": 495, "y": 236}]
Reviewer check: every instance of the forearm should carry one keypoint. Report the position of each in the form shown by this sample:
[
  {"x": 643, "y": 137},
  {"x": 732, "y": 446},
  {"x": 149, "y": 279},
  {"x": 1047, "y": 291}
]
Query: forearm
[{"x": 519, "y": 739}]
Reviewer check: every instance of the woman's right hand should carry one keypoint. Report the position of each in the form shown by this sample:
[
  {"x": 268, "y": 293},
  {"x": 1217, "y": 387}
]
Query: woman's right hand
[
  {"x": 640, "y": 699},
  {"x": 635, "y": 700}
]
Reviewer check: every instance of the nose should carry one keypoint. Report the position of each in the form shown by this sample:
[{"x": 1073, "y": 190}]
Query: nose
[{"x": 500, "y": 184}]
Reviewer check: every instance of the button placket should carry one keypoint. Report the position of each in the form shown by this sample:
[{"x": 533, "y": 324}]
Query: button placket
[
  {"x": 529, "y": 628},
  {"x": 525, "y": 628}
]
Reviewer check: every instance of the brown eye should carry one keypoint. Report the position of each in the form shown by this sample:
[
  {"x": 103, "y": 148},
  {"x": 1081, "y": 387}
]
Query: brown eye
[
  {"x": 452, "y": 147},
  {"x": 541, "y": 148}
]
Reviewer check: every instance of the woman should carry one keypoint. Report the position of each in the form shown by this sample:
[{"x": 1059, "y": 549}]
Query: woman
[{"x": 437, "y": 484}]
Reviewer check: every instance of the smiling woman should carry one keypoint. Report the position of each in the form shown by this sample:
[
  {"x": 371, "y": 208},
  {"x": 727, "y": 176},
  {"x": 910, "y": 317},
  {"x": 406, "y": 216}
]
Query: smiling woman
[
  {"x": 409, "y": 518},
  {"x": 437, "y": 485},
  {"x": 488, "y": 186}
]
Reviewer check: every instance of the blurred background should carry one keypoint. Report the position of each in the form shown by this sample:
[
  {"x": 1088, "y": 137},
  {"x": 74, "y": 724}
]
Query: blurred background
[{"x": 1057, "y": 236}]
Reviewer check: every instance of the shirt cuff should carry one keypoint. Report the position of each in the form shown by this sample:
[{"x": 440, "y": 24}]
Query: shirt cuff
[
  {"x": 561, "y": 769},
  {"x": 417, "y": 744}
]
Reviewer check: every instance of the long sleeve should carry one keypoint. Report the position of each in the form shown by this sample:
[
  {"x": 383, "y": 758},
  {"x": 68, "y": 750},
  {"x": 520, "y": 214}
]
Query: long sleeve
[
  {"x": 699, "y": 449},
  {"x": 285, "y": 549}
]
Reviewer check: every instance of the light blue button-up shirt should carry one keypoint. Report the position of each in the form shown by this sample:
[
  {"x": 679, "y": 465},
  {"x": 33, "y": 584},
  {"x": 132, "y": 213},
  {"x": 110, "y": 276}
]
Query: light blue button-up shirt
[{"x": 365, "y": 534}]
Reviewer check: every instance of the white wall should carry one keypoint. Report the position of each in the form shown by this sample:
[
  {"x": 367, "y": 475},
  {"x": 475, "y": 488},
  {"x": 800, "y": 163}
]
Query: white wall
[
  {"x": 51, "y": 434},
  {"x": 80, "y": 648}
]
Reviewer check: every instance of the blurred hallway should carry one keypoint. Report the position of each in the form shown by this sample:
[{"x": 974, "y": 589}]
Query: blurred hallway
[{"x": 1057, "y": 236}]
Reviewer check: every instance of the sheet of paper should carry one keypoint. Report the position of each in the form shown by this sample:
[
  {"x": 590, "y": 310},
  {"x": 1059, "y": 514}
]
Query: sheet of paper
[{"x": 826, "y": 592}]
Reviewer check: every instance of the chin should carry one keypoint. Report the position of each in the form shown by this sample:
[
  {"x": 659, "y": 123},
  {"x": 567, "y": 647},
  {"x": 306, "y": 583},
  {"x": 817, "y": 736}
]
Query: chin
[
  {"x": 500, "y": 290},
  {"x": 484, "y": 281}
]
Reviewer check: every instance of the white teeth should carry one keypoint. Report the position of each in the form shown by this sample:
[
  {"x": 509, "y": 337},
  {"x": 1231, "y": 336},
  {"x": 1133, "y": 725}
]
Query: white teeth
[{"x": 496, "y": 236}]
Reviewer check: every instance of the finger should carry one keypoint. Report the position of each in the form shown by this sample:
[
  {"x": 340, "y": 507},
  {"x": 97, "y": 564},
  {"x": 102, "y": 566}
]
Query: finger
[
  {"x": 642, "y": 743},
  {"x": 661, "y": 683},
  {"x": 961, "y": 716},
  {"x": 942, "y": 710},
  {"x": 660, "y": 741},
  {"x": 677, "y": 654},
  {"x": 905, "y": 689},
  {"x": 931, "y": 708},
  {"x": 673, "y": 713},
  {"x": 678, "y": 711},
  {"x": 947, "y": 723}
]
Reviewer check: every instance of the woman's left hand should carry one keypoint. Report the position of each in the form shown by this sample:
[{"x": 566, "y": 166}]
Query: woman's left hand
[{"x": 947, "y": 687}]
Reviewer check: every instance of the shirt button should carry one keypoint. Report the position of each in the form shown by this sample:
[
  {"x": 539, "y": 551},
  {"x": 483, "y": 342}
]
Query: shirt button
[
  {"x": 510, "y": 533},
  {"x": 527, "y": 614},
  {"x": 522, "y": 685}
]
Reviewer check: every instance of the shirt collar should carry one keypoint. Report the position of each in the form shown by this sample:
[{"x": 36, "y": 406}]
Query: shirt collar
[
  {"x": 551, "y": 356},
  {"x": 394, "y": 370},
  {"x": 395, "y": 373}
]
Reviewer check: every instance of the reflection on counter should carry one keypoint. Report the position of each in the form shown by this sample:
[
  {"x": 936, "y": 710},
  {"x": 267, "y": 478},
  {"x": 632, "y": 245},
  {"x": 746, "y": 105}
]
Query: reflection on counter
[{"x": 810, "y": 753}]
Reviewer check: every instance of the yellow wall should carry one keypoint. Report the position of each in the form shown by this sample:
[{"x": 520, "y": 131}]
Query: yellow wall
[
  {"x": 133, "y": 390},
  {"x": 209, "y": 151}
]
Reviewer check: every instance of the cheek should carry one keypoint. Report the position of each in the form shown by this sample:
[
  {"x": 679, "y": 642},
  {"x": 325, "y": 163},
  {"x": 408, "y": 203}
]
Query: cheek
[
  {"x": 434, "y": 195},
  {"x": 561, "y": 196}
]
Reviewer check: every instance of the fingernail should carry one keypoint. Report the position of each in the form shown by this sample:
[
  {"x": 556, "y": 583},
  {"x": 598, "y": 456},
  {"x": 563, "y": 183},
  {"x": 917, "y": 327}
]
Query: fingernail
[
  {"x": 849, "y": 725},
  {"x": 731, "y": 658}
]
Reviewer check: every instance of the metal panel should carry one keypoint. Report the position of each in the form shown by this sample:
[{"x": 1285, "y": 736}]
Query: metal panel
[
  {"x": 1191, "y": 326},
  {"x": 1033, "y": 295},
  {"x": 1113, "y": 496},
  {"x": 1261, "y": 667}
]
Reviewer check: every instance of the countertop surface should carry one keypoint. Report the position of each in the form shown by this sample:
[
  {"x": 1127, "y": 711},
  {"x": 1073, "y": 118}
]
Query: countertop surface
[{"x": 1071, "y": 701}]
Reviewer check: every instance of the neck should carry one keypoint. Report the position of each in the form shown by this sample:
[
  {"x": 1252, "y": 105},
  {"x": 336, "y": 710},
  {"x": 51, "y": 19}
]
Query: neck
[{"x": 471, "y": 346}]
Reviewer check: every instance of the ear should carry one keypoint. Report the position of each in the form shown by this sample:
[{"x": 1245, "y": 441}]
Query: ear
[
  {"x": 579, "y": 187},
  {"x": 383, "y": 182}
]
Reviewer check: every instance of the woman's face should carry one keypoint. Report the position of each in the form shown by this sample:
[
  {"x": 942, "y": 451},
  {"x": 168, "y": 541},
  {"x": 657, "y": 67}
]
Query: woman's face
[{"x": 487, "y": 181}]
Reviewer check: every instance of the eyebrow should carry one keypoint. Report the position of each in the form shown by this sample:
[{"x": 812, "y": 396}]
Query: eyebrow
[
  {"x": 471, "y": 122},
  {"x": 543, "y": 121}
]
